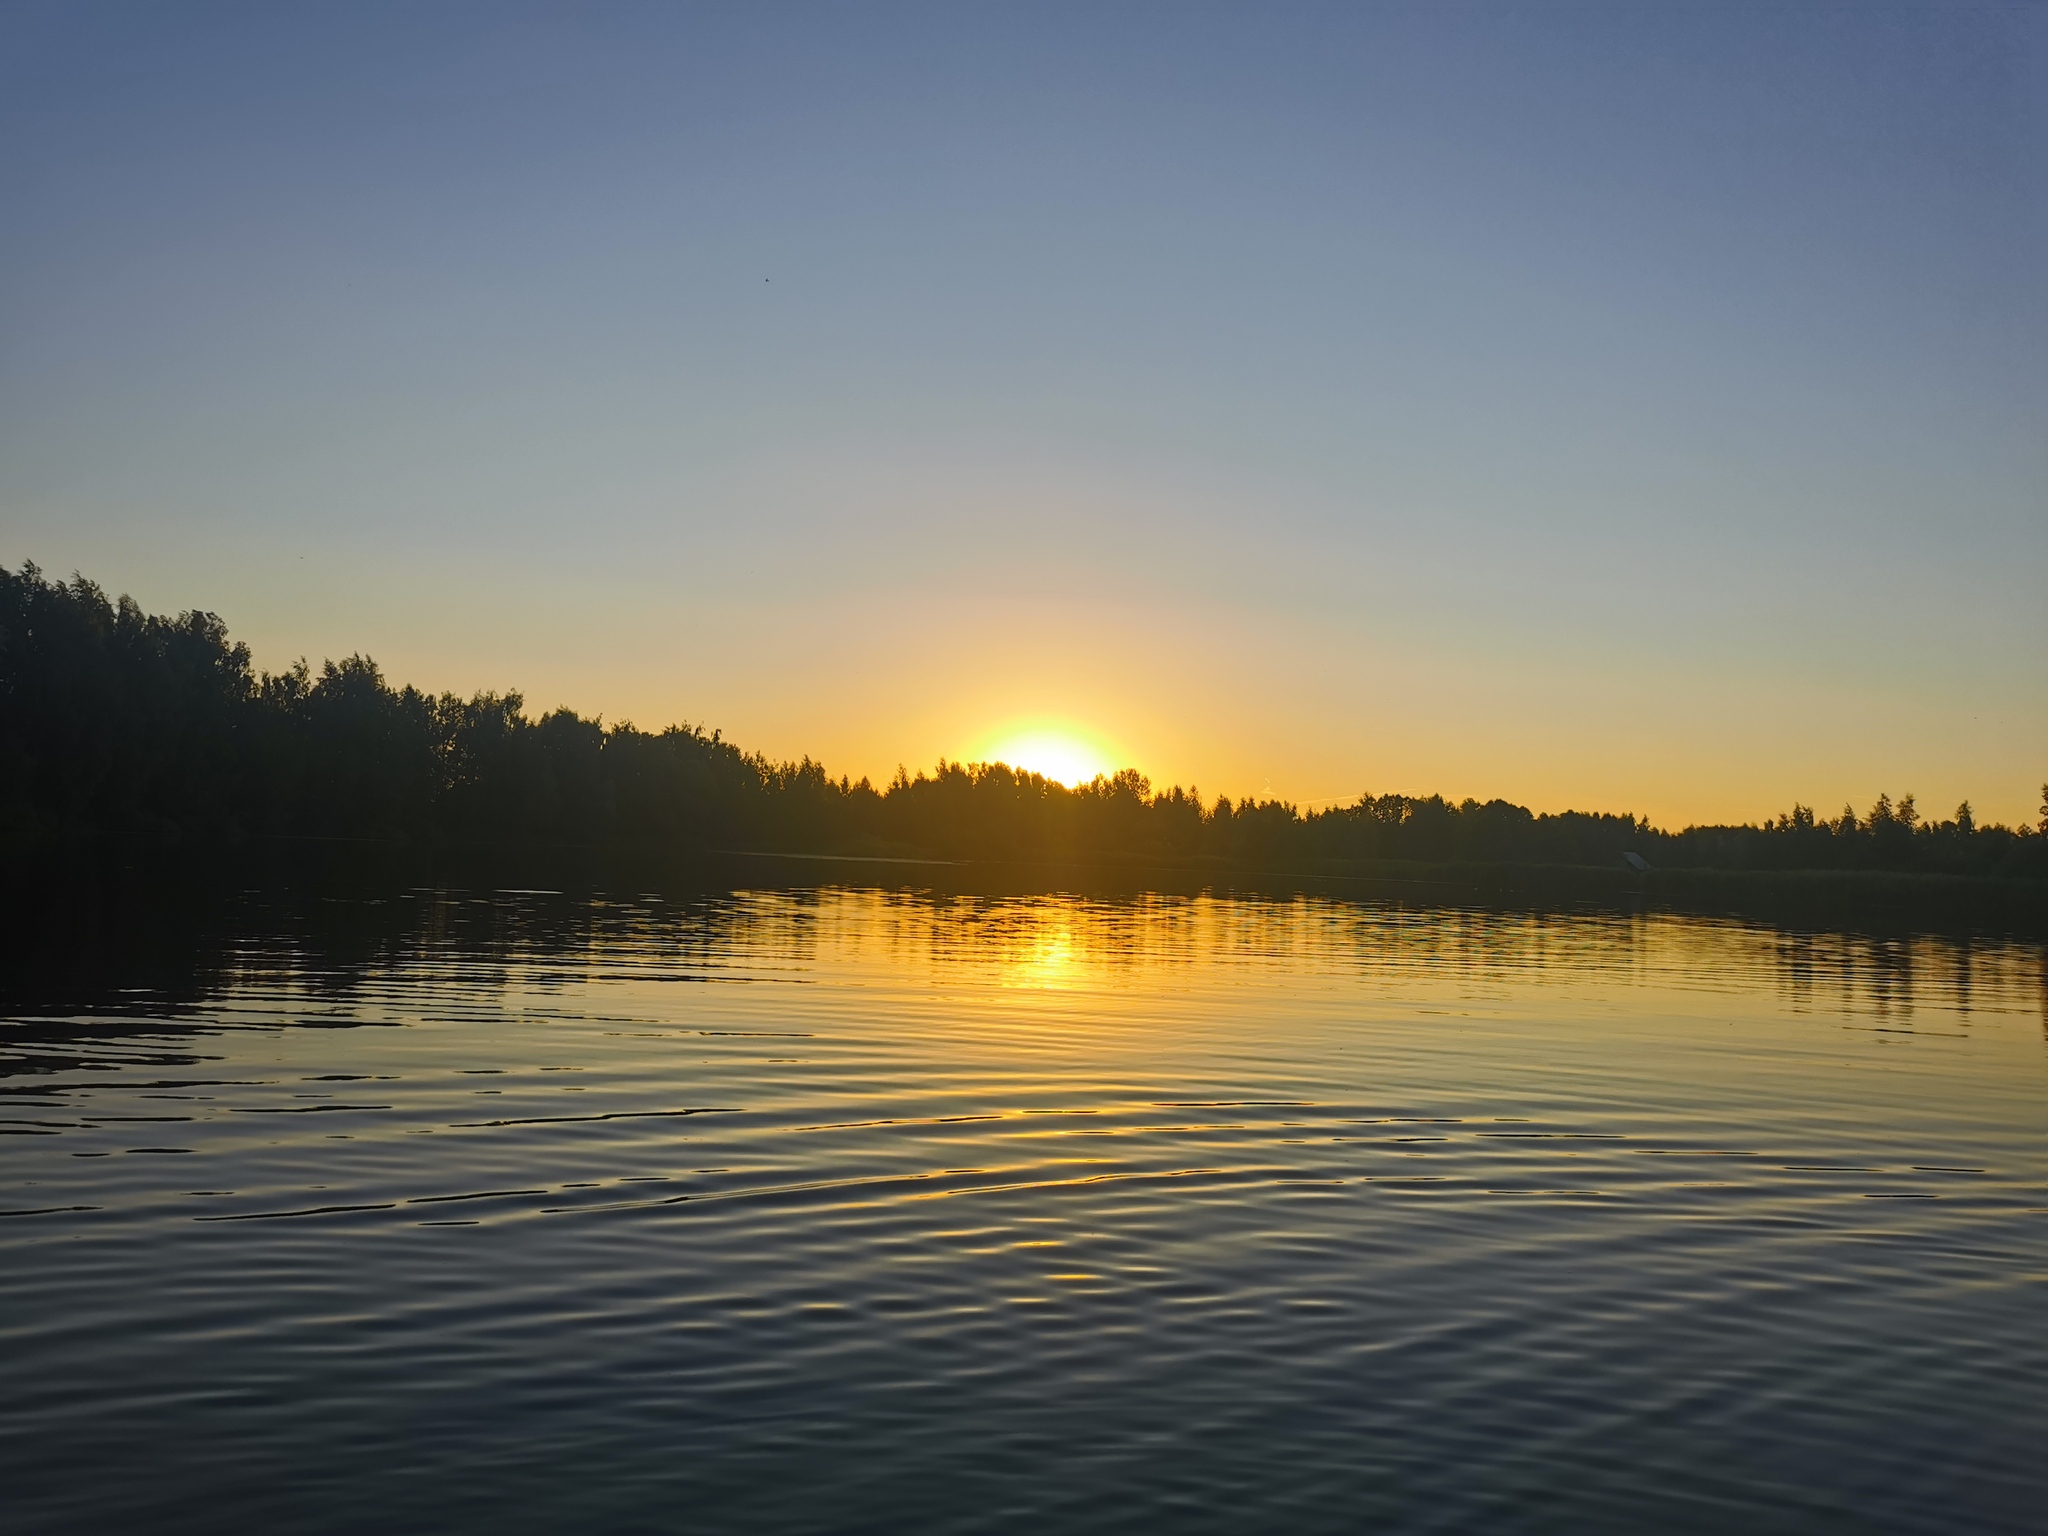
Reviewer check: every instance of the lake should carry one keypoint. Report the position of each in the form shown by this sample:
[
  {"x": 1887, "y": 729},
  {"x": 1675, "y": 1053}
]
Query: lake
[{"x": 871, "y": 1210}]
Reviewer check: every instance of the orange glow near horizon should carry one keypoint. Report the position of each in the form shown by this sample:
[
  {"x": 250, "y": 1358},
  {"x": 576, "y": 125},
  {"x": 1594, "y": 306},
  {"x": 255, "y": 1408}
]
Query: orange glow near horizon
[{"x": 1059, "y": 751}]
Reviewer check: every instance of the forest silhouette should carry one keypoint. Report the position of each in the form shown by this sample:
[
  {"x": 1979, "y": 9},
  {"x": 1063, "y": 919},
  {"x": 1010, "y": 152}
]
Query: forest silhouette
[{"x": 118, "y": 724}]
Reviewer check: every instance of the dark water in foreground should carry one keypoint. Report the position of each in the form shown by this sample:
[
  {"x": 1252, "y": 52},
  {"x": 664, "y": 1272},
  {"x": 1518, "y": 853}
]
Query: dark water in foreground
[{"x": 851, "y": 1210}]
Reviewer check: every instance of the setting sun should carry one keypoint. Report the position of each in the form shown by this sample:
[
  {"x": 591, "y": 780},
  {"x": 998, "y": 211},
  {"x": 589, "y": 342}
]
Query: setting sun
[
  {"x": 1058, "y": 752},
  {"x": 1136, "y": 740}
]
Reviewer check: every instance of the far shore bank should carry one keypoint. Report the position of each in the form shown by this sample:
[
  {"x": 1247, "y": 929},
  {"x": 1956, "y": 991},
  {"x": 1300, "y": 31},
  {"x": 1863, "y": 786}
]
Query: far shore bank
[{"x": 140, "y": 880}]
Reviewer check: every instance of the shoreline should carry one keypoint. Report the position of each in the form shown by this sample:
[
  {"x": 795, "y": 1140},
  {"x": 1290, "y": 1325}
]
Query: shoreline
[{"x": 43, "y": 885}]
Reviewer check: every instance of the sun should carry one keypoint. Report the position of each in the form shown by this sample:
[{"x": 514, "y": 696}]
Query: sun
[{"x": 1061, "y": 753}]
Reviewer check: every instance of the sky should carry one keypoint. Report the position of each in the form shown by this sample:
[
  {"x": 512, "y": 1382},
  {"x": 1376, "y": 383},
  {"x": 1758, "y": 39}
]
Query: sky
[{"x": 1617, "y": 407}]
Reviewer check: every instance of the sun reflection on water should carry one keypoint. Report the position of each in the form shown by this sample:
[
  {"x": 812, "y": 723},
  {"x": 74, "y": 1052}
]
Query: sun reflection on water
[{"x": 1049, "y": 960}]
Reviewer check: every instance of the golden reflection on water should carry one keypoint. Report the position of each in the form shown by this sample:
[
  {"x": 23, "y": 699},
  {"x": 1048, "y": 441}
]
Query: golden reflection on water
[
  {"x": 1069, "y": 944},
  {"x": 1025, "y": 997},
  {"x": 826, "y": 1203},
  {"x": 1047, "y": 959}
]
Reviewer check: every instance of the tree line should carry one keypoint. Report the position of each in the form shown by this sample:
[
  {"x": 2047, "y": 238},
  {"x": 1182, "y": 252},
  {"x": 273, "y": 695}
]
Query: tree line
[{"x": 115, "y": 723}]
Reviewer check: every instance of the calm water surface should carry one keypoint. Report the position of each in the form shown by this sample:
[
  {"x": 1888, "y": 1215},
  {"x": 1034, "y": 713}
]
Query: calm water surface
[{"x": 852, "y": 1210}]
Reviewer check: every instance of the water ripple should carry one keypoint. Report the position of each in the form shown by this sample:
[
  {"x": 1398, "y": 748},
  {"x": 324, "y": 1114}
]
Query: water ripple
[{"x": 1191, "y": 1213}]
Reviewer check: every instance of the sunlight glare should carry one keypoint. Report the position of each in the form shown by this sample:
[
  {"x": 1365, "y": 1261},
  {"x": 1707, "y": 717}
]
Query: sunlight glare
[{"x": 1062, "y": 755}]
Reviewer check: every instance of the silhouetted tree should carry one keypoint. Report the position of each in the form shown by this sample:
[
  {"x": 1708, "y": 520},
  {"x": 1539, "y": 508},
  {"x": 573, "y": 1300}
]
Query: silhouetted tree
[{"x": 118, "y": 723}]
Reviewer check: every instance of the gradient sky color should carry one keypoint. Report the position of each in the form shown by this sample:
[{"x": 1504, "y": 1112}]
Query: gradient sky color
[{"x": 1628, "y": 407}]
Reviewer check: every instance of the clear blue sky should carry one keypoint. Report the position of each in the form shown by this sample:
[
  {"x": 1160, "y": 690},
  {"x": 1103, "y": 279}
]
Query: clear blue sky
[{"x": 1633, "y": 406}]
